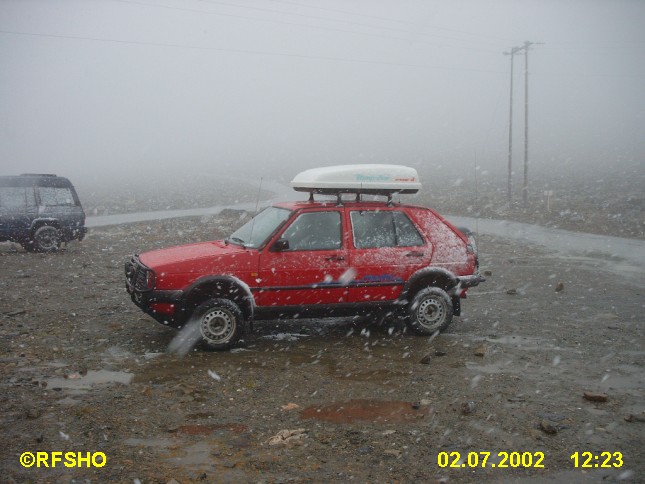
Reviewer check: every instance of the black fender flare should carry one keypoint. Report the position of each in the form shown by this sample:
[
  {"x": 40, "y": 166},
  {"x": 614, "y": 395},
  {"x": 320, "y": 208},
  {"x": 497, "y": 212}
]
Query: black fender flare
[
  {"x": 429, "y": 276},
  {"x": 40, "y": 222},
  {"x": 224, "y": 286}
]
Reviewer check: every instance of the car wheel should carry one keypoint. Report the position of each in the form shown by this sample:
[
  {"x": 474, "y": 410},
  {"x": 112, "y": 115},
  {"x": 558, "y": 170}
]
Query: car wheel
[
  {"x": 47, "y": 239},
  {"x": 221, "y": 323},
  {"x": 430, "y": 311}
]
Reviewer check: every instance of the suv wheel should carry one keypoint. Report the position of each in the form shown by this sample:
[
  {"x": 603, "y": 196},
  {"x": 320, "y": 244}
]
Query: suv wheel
[
  {"x": 430, "y": 311},
  {"x": 221, "y": 323},
  {"x": 47, "y": 239}
]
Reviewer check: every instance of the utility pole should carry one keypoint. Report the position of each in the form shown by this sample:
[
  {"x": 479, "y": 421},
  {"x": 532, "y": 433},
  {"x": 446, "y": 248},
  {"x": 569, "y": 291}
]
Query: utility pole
[
  {"x": 512, "y": 53},
  {"x": 525, "y": 185}
]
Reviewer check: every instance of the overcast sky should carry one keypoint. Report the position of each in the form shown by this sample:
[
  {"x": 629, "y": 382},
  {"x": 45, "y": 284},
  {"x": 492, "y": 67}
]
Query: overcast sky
[{"x": 118, "y": 86}]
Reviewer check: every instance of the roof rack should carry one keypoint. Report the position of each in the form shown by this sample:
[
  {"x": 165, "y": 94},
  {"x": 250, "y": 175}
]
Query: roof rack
[{"x": 372, "y": 179}]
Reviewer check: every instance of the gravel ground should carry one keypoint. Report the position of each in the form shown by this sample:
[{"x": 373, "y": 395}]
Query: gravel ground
[{"x": 83, "y": 370}]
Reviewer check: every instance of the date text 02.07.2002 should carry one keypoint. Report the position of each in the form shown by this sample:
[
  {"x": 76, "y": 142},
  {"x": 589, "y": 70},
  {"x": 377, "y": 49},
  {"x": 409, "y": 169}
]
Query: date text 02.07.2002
[{"x": 500, "y": 459}]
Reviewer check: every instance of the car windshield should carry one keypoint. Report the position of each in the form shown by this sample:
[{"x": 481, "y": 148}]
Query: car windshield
[{"x": 253, "y": 233}]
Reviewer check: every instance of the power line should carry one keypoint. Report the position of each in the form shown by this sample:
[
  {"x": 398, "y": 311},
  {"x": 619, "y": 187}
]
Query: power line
[
  {"x": 245, "y": 51},
  {"x": 295, "y": 24},
  {"x": 376, "y": 17}
]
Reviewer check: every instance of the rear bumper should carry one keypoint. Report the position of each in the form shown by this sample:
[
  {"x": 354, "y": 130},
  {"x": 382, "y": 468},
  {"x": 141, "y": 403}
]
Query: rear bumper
[{"x": 465, "y": 282}]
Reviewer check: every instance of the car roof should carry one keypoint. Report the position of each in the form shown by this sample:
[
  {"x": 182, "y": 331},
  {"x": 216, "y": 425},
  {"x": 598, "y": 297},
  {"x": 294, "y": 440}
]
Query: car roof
[{"x": 35, "y": 179}]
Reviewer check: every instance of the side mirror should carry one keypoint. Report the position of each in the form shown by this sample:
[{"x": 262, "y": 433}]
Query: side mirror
[{"x": 280, "y": 245}]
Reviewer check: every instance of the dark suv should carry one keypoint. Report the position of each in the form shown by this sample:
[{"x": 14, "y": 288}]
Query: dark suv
[
  {"x": 316, "y": 258},
  {"x": 40, "y": 212}
]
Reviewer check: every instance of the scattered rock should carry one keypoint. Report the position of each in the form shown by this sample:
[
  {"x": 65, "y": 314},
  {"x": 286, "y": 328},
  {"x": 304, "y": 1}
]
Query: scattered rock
[
  {"x": 552, "y": 417},
  {"x": 290, "y": 406},
  {"x": 287, "y": 437},
  {"x": 559, "y": 287},
  {"x": 16, "y": 313},
  {"x": 635, "y": 418},
  {"x": 425, "y": 360},
  {"x": 548, "y": 428},
  {"x": 481, "y": 350},
  {"x": 33, "y": 413},
  {"x": 595, "y": 397},
  {"x": 440, "y": 353},
  {"x": 392, "y": 452},
  {"x": 488, "y": 273},
  {"x": 512, "y": 292},
  {"x": 468, "y": 408}
]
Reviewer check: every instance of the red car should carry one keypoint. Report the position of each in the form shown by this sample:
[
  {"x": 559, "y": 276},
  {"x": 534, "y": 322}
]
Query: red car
[{"x": 315, "y": 258}]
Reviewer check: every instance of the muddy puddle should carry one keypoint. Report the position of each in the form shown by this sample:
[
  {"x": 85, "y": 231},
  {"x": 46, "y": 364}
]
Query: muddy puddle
[
  {"x": 75, "y": 382},
  {"x": 375, "y": 411}
]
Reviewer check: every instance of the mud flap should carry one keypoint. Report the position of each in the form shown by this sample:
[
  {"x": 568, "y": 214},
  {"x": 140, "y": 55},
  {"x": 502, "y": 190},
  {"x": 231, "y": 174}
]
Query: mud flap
[{"x": 456, "y": 305}]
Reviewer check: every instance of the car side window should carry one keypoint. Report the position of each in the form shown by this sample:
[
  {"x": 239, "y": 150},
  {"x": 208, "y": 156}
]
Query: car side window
[
  {"x": 55, "y": 196},
  {"x": 407, "y": 234},
  {"x": 315, "y": 231},
  {"x": 374, "y": 229},
  {"x": 12, "y": 198}
]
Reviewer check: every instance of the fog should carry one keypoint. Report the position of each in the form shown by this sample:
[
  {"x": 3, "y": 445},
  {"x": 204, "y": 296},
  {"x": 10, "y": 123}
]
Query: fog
[{"x": 271, "y": 87}]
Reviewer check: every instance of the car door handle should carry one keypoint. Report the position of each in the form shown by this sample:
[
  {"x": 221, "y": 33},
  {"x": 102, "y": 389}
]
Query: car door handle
[
  {"x": 335, "y": 257},
  {"x": 415, "y": 253}
]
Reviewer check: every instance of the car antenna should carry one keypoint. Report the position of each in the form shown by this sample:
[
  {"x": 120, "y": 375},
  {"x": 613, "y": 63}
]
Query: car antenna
[{"x": 257, "y": 205}]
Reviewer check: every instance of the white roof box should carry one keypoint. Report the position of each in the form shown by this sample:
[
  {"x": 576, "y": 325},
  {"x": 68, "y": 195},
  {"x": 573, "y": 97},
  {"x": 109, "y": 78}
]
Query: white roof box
[{"x": 368, "y": 179}]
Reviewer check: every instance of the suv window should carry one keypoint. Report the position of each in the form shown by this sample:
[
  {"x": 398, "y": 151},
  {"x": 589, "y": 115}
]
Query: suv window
[
  {"x": 315, "y": 231},
  {"x": 55, "y": 196},
  {"x": 373, "y": 229},
  {"x": 13, "y": 197}
]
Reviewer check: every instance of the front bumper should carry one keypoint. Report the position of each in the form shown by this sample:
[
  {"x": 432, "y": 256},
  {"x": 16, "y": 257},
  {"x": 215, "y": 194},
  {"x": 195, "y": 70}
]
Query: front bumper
[{"x": 164, "y": 306}]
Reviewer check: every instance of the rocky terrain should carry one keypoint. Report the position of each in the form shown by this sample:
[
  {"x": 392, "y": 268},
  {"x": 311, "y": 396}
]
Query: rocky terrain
[{"x": 83, "y": 370}]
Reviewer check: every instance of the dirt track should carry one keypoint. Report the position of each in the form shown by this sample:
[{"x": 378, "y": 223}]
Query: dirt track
[{"x": 84, "y": 370}]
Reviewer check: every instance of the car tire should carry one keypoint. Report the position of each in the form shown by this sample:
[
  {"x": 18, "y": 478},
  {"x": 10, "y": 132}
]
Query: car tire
[
  {"x": 47, "y": 239},
  {"x": 221, "y": 323},
  {"x": 430, "y": 311}
]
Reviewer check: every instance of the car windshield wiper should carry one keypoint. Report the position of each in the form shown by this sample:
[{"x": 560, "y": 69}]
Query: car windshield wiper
[{"x": 237, "y": 240}]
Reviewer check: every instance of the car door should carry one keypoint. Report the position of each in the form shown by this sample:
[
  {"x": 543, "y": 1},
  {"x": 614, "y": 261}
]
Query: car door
[
  {"x": 305, "y": 263},
  {"x": 386, "y": 248}
]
